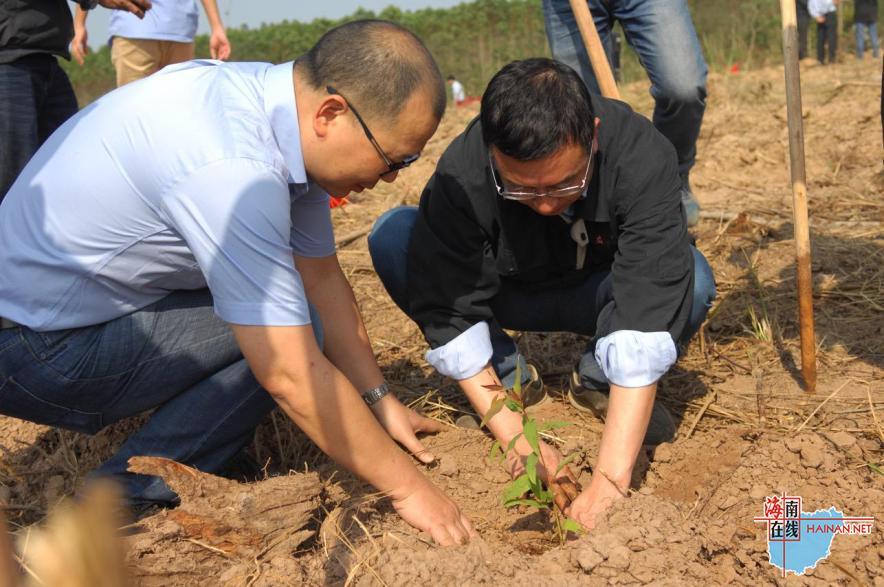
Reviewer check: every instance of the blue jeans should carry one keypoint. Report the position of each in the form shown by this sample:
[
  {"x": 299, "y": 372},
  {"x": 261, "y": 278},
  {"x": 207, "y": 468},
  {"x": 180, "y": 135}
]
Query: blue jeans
[
  {"x": 872, "y": 28},
  {"x": 36, "y": 97},
  {"x": 554, "y": 310},
  {"x": 662, "y": 34},
  {"x": 174, "y": 355}
]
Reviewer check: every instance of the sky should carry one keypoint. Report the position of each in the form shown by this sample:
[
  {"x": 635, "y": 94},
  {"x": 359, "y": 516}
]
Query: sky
[{"x": 235, "y": 13}]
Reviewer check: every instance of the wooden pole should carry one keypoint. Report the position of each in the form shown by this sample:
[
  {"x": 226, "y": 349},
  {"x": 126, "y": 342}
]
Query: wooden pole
[
  {"x": 8, "y": 569},
  {"x": 799, "y": 194},
  {"x": 597, "y": 56}
]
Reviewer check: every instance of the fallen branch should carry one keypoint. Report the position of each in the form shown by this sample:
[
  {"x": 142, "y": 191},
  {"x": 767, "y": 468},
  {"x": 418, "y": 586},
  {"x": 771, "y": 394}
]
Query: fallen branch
[{"x": 700, "y": 414}]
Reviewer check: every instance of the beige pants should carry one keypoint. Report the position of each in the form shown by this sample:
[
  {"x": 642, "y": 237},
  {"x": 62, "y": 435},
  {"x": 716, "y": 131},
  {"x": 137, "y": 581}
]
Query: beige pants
[{"x": 138, "y": 58}]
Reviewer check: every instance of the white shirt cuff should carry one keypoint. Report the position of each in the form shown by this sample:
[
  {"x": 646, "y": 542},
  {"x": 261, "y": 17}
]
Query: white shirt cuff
[
  {"x": 630, "y": 358},
  {"x": 465, "y": 355}
]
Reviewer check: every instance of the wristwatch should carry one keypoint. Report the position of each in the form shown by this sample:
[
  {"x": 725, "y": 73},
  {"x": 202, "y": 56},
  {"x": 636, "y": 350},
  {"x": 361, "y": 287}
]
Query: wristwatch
[
  {"x": 374, "y": 395},
  {"x": 87, "y": 4}
]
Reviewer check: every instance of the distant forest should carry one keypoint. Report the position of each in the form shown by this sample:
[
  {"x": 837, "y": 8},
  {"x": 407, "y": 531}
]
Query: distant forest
[{"x": 474, "y": 39}]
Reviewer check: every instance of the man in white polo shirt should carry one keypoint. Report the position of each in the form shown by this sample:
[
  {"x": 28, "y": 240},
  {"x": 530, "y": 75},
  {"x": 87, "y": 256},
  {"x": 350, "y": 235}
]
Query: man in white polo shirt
[
  {"x": 171, "y": 247},
  {"x": 140, "y": 47}
]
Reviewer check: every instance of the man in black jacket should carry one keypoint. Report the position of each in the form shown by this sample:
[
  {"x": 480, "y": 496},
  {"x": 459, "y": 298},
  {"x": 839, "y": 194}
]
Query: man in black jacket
[
  {"x": 36, "y": 96},
  {"x": 554, "y": 211}
]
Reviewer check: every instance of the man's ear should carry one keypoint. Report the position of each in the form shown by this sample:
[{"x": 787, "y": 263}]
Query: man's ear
[{"x": 327, "y": 113}]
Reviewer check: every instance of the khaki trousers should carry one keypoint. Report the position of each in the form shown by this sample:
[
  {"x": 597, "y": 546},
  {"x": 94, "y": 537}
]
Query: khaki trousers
[{"x": 134, "y": 59}]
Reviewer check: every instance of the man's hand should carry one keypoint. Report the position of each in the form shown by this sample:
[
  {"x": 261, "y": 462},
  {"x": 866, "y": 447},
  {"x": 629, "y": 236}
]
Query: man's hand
[
  {"x": 402, "y": 424},
  {"x": 219, "y": 46},
  {"x": 562, "y": 484},
  {"x": 629, "y": 410},
  {"x": 429, "y": 510},
  {"x": 136, "y": 7},
  {"x": 505, "y": 425},
  {"x": 595, "y": 499},
  {"x": 79, "y": 44}
]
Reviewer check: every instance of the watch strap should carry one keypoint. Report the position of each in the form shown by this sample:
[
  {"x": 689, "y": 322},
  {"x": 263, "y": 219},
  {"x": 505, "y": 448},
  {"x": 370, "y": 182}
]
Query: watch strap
[{"x": 374, "y": 395}]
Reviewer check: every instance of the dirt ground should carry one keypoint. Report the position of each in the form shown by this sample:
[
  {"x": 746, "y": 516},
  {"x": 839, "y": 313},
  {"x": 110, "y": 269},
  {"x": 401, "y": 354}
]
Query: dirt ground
[{"x": 746, "y": 428}]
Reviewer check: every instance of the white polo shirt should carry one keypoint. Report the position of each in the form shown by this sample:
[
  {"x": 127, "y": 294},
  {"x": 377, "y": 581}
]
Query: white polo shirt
[
  {"x": 190, "y": 178},
  {"x": 167, "y": 20}
]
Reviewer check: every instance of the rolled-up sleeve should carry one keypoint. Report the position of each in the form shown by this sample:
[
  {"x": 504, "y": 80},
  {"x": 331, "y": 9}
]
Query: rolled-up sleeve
[
  {"x": 235, "y": 216},
  {"x": 465, "y": 355},
  {"x": 635, "y": 359}
]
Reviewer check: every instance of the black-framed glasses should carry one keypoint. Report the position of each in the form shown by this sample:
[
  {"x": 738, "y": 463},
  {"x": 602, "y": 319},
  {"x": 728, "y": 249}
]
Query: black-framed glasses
[
  {"x": 531, "y": 193},
  {"x": 392, "y": 166}
]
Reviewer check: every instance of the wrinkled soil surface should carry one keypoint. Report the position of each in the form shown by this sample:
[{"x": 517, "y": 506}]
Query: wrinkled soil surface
[{"x": 746, "y": 428}]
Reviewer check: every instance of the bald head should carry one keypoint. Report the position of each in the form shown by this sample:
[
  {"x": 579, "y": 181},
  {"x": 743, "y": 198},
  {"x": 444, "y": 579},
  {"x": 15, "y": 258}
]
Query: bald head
[{"x": 377, "y": 64}]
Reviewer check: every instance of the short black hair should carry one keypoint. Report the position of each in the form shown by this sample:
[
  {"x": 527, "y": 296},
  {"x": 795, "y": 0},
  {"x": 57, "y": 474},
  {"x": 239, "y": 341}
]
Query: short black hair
[
  {"x": 450, "y": 77},
  {"x": 531, "y": 108},
  {"x": 377, "y": 64}
]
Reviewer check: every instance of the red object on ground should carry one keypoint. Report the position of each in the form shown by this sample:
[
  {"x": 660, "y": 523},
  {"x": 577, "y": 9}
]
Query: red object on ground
[
  {"x": 735, "y": 68},
  {"x": 334, "y": 202}
]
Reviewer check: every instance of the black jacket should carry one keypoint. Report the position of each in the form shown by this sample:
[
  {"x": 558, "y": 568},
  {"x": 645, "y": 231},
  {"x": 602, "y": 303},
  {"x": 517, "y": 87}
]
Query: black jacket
[
  {"x": 30, "y": 27},
  {"x": 468, "y": 240},
  {"x": 865, "y": 11}
]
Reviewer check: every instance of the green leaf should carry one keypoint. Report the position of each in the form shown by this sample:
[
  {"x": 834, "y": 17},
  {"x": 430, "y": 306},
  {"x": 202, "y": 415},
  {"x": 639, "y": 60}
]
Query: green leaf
[
  {"x": 512, "y": 443},
  {"x": 875, "y": 468},
  {"x": 529, "y": 502},
  {"x": 530, "y": 430},
  {"x": 565, "y": 462},
  {"x": 531, "y": 469},
  {"x": 496, "y": 450},
  {"x": 513, "y": 406},
  {"x": 516, "y": 488},
  {"x": 541, "y": 494},
  {"x": 495, "y": 407},
  {"x": 570, "y": 525},
  {"x": 552, "y": 425}
]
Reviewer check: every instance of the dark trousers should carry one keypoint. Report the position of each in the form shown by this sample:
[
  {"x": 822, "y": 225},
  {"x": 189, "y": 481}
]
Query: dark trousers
[
  {"x": 803, "y": 26},
  {"x": 827, "y": 35},
  {"x": 174, "y": 356},
  {"x": 36, "y": 97}
]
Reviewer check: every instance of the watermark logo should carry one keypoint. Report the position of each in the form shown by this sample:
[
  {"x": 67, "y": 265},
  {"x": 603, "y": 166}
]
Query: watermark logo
[{"x": 797, "y": 540}]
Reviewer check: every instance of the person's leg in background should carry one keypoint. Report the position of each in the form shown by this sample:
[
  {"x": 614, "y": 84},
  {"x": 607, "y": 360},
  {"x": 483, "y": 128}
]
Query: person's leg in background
[
  {"x": 35, "y": 98},
  {"x": 134, "y": 59},
  {"x": 663, "y": 35},
  {"x": 803, "y": 24},
  {"x": 821, "y": 42},
  {"x": 873, "y": 39},
  {"x": 565, "y": 41},
  {"x": 173, "y": 52},
  {"x": 859, "y": 30},
  {"x": 59, "y": 104},
  {"x": 832, "y": 35}
]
